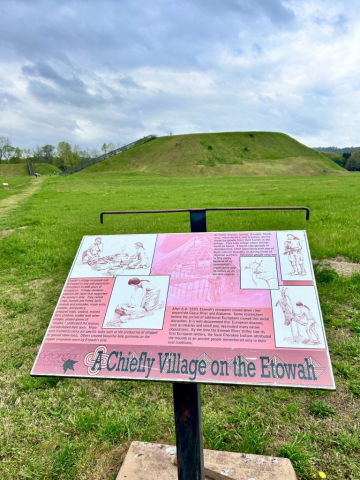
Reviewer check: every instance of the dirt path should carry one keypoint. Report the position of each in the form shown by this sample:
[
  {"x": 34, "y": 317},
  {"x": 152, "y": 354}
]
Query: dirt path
[
  {"x": 341, "y": 266},
  {"x": 13, "y": 201}
]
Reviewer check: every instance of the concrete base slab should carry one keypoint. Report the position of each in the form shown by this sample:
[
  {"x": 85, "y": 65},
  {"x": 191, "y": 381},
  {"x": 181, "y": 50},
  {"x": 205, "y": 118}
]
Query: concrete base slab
[{"x": 153, "y": 461}]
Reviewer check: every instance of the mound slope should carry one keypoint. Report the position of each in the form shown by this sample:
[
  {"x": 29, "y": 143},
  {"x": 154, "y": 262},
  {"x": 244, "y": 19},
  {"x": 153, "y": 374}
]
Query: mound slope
[
  {"x": 22, "y": 169},
  {"x": 215, "y": 154},
  {"x": 13, "y": 170},
  {"x": 45, "y": 168}
]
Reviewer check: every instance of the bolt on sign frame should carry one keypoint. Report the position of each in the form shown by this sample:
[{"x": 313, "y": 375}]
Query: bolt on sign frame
[{"x": 186, "y": 391}]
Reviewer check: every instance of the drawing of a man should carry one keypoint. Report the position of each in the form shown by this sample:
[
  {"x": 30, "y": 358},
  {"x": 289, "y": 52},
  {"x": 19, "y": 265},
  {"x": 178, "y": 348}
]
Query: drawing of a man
[
  {"x": 93, "y": 252},
  {"x": 293, "y": 248},
  {"x": 310, "y": 322},
  {"x": 288, "y": 310},
  {"x": 286, "y": 307}
]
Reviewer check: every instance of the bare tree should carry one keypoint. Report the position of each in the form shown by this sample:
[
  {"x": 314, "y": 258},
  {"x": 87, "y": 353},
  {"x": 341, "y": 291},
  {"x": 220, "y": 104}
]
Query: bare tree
[
  {"x": 110, "y": 147},
  {"x": 94, "y": 152},
  {"x": 27, "y": 153}
]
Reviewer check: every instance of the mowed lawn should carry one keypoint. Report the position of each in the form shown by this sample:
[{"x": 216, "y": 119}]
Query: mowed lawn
[{"x": 55, "y": 428}]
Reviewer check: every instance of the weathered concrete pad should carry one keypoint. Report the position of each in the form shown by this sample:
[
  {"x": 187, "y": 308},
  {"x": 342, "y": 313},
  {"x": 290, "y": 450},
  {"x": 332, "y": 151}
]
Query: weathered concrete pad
[{"x": 153, "y": 461}]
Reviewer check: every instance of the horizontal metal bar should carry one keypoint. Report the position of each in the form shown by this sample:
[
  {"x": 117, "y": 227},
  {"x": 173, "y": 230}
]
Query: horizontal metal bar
[{"x": 210, "y": 209}]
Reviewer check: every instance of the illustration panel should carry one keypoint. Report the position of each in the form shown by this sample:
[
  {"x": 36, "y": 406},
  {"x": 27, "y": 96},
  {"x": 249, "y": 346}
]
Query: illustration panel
[
  {"x": 294, "y": 256},
  {"x": 200, "y": 273},
  {"x": 297, "y": 318},
  {"x": 259, "y": 273},
  {"x": 113, "y": 255},
  {"x": 138, "y": 302}
]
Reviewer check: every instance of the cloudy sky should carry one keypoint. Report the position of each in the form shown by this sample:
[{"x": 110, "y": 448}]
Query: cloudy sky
[{"x": 91, "y": 71}]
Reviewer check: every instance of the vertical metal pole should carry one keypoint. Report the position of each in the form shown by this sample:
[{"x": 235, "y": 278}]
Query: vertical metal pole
[
  {"x": 187, "y": 407},
  {"x": 188, "y": 426},
  {"x": 198, "y": 220}
]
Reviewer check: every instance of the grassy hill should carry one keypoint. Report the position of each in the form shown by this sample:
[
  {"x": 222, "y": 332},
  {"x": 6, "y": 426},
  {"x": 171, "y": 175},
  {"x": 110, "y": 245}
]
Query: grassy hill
[
  {"x": 219, "y": 154},
  {"x": 21, "y": 170},
  {"x": 45, "y": 168}
]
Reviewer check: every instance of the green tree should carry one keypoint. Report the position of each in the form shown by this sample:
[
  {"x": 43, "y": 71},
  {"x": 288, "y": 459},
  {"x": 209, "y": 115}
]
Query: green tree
[
  {"x": 36, "y": 156},
  {"x": 48, "y": 153},
  {"x": 8, "y": 152},
  {"x": 16, "y": 155},
  {"x": 82, "y": 155},
  {"x": 106, "y": 148},
  {"x": 353, "y": 162},
  {"x": 336, "y": 158},
  {"x": 65, "y": 154}
]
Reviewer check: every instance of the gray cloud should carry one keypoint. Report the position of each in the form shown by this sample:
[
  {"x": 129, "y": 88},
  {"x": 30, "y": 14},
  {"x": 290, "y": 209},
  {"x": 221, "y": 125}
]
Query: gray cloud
[
  {"x": 86, "y": 74},
  {"x": 157, "y": 32},
  {"x": 274, "y": 10},
  {"x": 128, "y": 82},
  {"x": 71, "y": 91},
  {"x": 7, "y": 100}
]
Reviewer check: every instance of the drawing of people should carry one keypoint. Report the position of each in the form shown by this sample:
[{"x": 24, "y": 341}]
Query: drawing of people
[
  {"x": 91, "y": 255},
  {"x": 140, "y": 258},
  {"x": 259, "y": 273},
  {"x": 144, "y": 299},
  {"x": 310, "y": 322},
  {"x": 288, "y": 311},
  {"x": 293, "y": 247},
  {"x": 118, "y": 263}
]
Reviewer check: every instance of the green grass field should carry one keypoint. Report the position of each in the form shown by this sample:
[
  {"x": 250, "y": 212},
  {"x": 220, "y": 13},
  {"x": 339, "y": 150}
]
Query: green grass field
[
  {"x": 216, "y": 154},
  {"x": 54, "y": 428},
  {"x": 16, "y": 185}
]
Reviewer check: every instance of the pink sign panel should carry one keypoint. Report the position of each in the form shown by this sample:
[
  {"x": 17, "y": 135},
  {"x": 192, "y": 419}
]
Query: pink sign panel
[{"x": 236, "y": 307}]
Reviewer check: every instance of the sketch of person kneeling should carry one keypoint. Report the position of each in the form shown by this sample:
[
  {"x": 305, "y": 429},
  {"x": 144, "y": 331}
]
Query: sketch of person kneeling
[
  {"x": 140, "y": 258},
  {"x": 144, "y": 300}
]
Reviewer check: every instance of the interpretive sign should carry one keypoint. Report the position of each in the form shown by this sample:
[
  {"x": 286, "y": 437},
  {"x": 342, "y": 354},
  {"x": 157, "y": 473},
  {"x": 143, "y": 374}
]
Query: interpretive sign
[{"x": 236, "y": 307}]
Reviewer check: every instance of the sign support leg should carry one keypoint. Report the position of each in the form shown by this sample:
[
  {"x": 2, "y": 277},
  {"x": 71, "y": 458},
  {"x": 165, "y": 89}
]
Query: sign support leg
[
  {"x": 198, "y": 220},
  {"x": 188, "y": 427},
  {"x": 187, "y": 407}
]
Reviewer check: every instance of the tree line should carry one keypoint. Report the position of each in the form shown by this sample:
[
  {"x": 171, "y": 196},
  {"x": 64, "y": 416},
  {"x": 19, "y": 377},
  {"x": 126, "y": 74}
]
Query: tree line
[
  {"x": 63, "y": 156},
  {"x": 350, "y": 161},
  {"x": 337, "y": 150}
]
